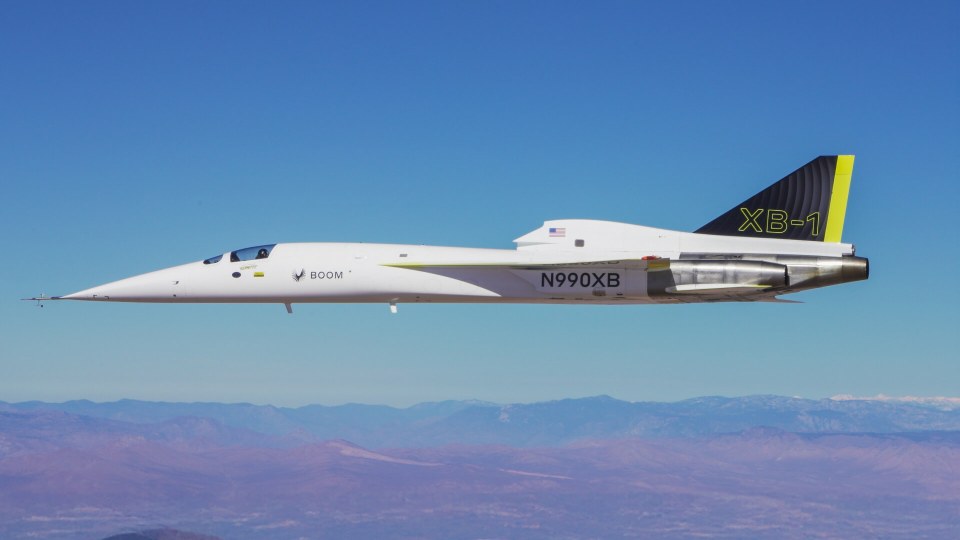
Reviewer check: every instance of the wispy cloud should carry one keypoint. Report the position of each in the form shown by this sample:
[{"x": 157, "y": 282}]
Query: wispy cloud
[{"x": 940, "y": 402}]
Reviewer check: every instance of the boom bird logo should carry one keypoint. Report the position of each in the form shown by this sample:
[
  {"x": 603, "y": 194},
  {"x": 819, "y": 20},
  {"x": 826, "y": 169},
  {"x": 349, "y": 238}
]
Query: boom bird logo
[{"x": 297, "y": 277}]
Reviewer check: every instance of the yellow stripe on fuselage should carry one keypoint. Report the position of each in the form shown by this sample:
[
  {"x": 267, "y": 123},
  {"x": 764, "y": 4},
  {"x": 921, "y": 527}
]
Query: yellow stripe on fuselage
[{"x": 838, "y": 199}]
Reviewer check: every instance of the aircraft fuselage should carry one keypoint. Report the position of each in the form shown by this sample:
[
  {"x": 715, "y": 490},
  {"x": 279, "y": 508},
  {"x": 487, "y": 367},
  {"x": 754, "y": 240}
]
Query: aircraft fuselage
[
  {"x": 784, "y": 239},
  {"x": 580, "y": 267}
]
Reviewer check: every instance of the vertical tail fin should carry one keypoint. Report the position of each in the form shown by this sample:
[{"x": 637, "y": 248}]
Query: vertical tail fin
[{"x": 808, "y": 204}]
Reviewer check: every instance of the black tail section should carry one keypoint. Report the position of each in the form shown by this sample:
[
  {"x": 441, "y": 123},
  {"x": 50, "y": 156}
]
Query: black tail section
[{"x": 808, "y": 204}]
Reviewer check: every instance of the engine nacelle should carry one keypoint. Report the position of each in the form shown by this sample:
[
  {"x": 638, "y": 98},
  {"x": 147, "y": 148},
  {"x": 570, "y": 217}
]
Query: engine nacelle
[{"x": 716, "y": 277}]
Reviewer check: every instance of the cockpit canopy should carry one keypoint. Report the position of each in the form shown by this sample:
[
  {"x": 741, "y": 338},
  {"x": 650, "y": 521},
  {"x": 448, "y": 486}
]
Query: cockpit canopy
[{"x": 245, "y": 254}]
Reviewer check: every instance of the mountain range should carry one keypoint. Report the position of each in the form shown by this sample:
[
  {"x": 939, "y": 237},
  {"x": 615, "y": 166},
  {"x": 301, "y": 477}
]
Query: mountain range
[
  {"x": 550, "y": 423},
  {"x": 753, "y": 467}
]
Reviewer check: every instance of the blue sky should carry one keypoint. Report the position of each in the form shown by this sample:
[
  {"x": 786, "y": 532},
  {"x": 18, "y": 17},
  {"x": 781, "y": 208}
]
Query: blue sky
[{"x": 135, "y": 136}]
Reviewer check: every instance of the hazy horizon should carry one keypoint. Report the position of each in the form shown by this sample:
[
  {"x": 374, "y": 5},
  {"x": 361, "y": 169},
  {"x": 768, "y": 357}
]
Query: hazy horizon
[{"x": 921, "y": 400}]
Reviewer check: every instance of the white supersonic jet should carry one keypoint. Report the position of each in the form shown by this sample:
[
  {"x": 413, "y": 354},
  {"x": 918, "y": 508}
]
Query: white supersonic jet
[{"x": 782, "y": 240}]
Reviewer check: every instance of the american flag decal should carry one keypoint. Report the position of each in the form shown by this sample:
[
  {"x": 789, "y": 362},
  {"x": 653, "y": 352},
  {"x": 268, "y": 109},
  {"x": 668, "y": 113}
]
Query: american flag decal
[{"x": 558, "y": 232}]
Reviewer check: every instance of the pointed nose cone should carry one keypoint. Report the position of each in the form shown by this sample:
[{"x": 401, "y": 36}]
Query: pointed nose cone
[
  {"x": 159, "y": 286},
  {"x": 93, "y": 293}
]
